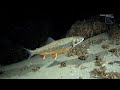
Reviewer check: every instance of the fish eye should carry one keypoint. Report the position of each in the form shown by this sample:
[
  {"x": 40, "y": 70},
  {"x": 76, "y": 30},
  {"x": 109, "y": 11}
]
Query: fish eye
[{"x": 77, "y": 40}]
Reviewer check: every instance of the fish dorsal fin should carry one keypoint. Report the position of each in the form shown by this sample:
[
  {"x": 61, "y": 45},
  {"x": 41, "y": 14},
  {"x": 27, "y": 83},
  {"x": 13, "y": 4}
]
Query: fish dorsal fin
[
  {"x": 49, "y": 40},
  {"x": 54, "y": 56}
]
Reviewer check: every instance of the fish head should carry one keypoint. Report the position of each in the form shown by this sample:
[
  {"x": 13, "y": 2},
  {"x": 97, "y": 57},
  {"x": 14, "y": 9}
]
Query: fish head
[{"x": 77, "y": 40}]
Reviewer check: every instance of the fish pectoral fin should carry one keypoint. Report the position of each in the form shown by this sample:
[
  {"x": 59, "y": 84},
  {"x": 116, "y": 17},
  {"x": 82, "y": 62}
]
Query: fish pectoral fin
[
  {"x": 54, "y": 56},
  {"x": 42, "y": 56}
]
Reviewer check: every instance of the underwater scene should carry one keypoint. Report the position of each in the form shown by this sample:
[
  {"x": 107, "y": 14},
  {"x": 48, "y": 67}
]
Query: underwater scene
[{"x": 90, "y": 49}]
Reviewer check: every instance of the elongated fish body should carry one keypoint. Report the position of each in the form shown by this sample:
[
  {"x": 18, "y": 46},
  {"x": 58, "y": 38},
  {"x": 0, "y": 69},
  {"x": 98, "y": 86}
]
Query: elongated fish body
[{"x": 57, "y": 47}]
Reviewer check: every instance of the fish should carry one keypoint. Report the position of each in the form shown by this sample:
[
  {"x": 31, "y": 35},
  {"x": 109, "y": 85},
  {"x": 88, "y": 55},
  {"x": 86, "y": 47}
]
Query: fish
[{"x": 54, "y": 48}]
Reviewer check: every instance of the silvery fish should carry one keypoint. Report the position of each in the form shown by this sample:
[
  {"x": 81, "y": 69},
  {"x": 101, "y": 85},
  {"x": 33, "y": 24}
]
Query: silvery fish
[{"x": 56, "y": 47}]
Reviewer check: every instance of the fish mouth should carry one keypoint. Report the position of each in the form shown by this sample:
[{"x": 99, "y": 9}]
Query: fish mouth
[{"x": 78, "y": 42}]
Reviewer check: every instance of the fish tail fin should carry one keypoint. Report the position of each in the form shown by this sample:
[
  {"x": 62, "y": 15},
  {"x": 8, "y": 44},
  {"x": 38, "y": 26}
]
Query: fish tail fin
[{"x": 29, "y": 52}]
